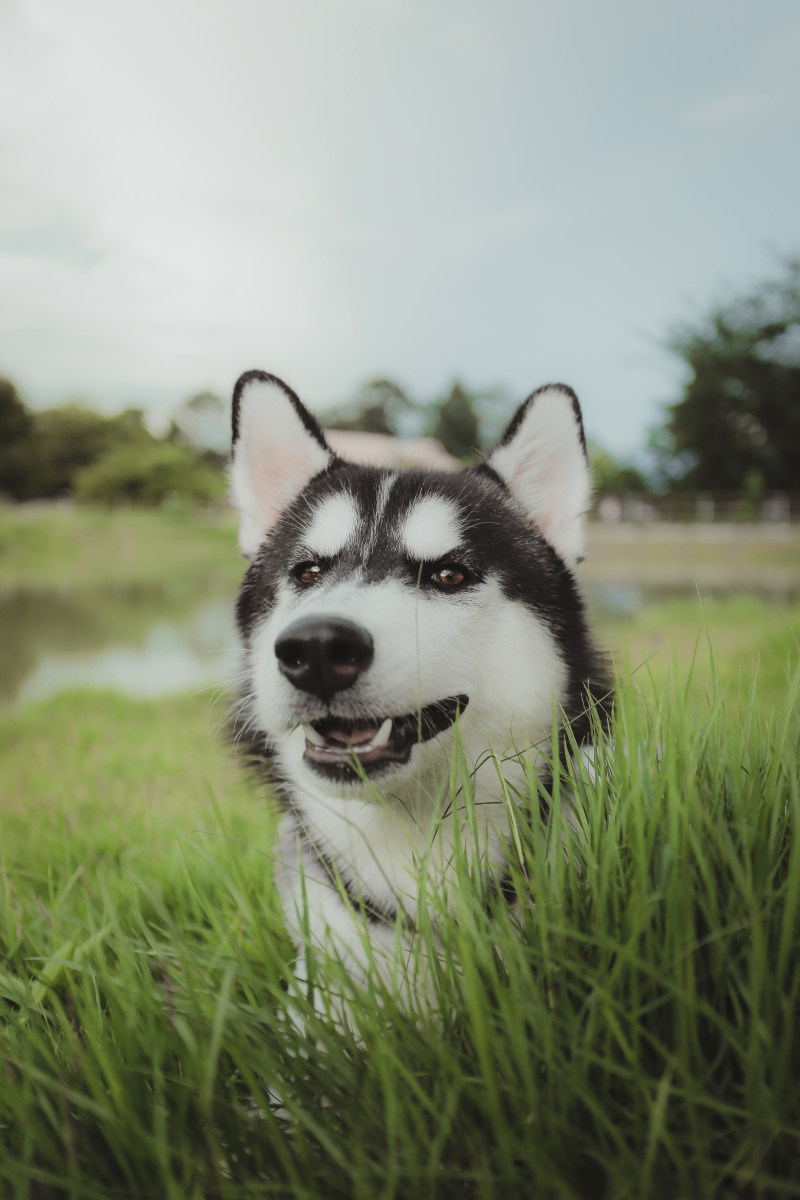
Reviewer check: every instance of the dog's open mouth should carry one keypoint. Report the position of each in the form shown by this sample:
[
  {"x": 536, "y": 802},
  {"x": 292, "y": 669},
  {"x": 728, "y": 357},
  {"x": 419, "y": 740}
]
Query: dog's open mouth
[{"x": 338, "y": 745}]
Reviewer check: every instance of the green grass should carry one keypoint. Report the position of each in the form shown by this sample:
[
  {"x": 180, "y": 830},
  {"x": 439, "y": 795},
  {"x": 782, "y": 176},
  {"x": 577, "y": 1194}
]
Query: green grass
[
  {"x": 752, "y": 641},
  {"x": 104, "y": 772},
  {"x": 54, "y": 547},
  {"x": 631, "y": 1031}
]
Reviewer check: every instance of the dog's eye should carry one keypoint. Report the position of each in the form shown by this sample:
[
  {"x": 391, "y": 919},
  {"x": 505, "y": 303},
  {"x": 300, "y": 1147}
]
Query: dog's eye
[
  {"x": 308, "y": 572},
  {"x": 449, "y": 576}
]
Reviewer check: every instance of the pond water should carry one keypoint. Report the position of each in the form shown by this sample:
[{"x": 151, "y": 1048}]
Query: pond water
[
  {"x": 143, "y": 642},
  {"x": 150, "y": 641}
]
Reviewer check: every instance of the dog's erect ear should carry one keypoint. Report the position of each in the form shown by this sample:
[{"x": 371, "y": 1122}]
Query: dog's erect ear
[
  {"x": 542, "y": 459},
  {"x": 277, "y": 448}
]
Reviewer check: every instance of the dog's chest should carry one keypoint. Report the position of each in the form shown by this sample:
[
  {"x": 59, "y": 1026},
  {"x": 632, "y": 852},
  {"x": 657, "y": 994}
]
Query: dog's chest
[{"x": 354, "y": 872}]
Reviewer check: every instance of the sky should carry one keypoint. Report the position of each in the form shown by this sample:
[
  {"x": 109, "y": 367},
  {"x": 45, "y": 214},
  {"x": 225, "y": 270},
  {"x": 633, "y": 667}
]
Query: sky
[{"x": 509, "y": 193}]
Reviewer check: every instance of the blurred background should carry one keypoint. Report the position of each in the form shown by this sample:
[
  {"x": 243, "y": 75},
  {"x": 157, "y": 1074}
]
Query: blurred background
[{"x": 415, "y": 213}]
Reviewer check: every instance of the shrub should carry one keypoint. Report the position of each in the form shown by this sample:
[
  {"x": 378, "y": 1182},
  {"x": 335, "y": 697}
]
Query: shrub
[{"x": 149, "y": 475}]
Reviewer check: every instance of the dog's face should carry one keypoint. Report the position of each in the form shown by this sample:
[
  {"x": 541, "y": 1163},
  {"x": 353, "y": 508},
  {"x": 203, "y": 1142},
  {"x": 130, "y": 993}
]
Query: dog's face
[{"x": 381, "y": 609}]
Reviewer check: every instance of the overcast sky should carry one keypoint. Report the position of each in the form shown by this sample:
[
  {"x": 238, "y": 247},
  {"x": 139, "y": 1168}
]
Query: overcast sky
[{"x": 511, "y": 192}]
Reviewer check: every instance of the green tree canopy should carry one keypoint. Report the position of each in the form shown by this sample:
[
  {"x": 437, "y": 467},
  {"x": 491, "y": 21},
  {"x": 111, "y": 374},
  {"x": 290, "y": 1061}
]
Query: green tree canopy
[
  {"x": 376, "y": 408},
  {"x": 149, "y": 474},
  {"x": 738, "y": 422},
  {"x": 16, "y": 429},
  {"x": 611, "y": 475},
  {"x": 74, "y": 451},
  {"x": 71, "y": 437},
  {"x": 456, "y": 424}
]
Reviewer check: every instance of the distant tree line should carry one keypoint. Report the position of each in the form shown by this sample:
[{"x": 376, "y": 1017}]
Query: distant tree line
[
  {"x": 73, "y": 451},
  {"x": 383, "y": 406},
  {"x": 736, "y": 426},
  {"x": 465, "y": 422}
]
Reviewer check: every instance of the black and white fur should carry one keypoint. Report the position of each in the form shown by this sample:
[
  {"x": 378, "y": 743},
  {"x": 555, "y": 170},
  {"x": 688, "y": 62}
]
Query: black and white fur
[{"x": 428, "y": 599}]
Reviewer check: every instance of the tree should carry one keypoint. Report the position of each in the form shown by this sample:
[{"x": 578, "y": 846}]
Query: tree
[
  {"x": 457, "y": 425},
  {"x": 149, "y": 475},
  {"x": 738, "y": 423},
  {"x": 377, "y": 407},
  {"x": 72, "y": 437},
  {"x": 611, "y": 475},
  {"x": 16, "y": 430}
]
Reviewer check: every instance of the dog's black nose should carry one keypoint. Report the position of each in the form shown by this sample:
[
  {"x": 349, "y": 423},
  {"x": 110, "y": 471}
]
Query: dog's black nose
[{"x": 323, "y": 655}]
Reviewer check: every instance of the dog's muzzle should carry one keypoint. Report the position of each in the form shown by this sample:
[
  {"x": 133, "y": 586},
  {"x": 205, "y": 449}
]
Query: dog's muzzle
[{"x": 323, "y": 655}]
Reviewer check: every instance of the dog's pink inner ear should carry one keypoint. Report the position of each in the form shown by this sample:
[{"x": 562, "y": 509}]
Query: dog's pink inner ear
[
  {"x": 274, "y": 479},
  {"x": 545, "y": 468},
  {"x": 274, "y": 457}
]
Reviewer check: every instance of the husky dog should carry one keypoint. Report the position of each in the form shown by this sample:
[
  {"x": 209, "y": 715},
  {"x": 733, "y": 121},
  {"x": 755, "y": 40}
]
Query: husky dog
[{"x": 396, "y": 627}]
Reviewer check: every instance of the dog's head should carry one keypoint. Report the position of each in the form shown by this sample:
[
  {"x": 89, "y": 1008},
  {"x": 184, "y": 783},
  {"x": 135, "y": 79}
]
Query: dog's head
[{"x": 381, "y": 608}]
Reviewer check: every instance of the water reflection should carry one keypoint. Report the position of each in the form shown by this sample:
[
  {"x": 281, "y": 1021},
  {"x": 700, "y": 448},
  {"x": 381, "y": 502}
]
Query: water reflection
[
  {"x": 141, "y": 641},
  {"x": 150, "y": 641}
]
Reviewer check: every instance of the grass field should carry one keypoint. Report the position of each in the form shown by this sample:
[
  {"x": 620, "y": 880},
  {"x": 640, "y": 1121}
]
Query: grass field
[
  {"x": 56, "y": 547},
  {"x": 631, "y": 1031}
]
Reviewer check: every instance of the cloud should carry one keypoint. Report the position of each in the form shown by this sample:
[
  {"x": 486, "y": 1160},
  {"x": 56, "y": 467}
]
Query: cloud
[
  {"x": 160, "y": 227},
  {"x": 487, "y": 232},
  {"x": 186, "y": 194},
  {"x": 739, "y": 105}
]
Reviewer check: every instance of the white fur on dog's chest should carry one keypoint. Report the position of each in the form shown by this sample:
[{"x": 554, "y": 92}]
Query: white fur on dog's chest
[{"x": 355, "y": 868}]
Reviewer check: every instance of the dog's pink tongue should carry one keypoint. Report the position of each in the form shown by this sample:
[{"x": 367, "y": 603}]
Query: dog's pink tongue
[{"x": 353, "y": 737}]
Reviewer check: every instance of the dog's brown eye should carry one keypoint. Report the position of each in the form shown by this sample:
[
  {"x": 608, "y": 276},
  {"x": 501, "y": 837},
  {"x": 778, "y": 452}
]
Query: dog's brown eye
[
  {"x": 450, "y": 575},
  {"x": 308, "y": 572}
]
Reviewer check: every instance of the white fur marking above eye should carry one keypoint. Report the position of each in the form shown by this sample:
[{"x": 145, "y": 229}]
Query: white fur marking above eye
[
  {"x": 332, "y": 526},
  {"x": 431, "y": 530}
]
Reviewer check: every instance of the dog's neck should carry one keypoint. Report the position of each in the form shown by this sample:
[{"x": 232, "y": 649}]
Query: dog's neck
[{"x": 385, "y": 848}]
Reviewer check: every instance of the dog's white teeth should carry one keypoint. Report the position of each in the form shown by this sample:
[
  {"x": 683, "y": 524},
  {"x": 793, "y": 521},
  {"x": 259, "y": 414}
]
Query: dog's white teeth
[
  {"x": 384, "y": 733},
  {"x": 339, "y": 746}
]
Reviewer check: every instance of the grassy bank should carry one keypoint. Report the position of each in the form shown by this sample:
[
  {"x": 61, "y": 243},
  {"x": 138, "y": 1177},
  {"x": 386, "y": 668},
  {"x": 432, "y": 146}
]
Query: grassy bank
[
  {"x": 52, "y": 547},
  {"x": 743, "y": 642},
  {"x": 715, "y": 555}
]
